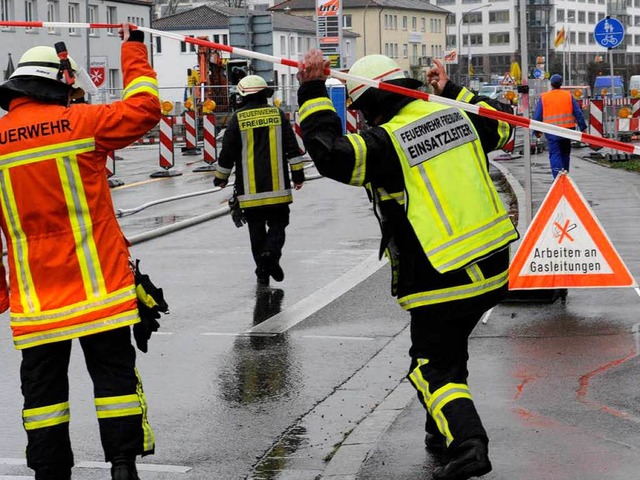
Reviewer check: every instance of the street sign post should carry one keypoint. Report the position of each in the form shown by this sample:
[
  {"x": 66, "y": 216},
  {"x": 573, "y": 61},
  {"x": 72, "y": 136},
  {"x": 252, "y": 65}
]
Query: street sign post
[{"x": 609, "y": 33}]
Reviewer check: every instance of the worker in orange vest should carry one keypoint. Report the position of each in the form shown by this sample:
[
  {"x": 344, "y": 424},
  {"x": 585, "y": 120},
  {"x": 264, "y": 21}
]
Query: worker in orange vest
[
  {"x": 558, "y": 107},
  {"x": 69, "y": 269}
]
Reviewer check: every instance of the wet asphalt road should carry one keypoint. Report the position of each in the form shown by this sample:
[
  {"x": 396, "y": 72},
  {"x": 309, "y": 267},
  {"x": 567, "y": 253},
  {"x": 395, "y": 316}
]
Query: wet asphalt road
[{"x": 555, "y": 384}]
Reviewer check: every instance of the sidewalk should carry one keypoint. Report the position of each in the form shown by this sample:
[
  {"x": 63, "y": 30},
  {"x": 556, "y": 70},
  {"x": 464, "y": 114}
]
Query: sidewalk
[{"x": 534, "y": 369}]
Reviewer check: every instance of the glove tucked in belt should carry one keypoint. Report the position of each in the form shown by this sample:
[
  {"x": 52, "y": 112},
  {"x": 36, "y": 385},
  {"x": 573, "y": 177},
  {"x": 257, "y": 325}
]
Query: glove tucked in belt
[{"x": 151, "y": 303}]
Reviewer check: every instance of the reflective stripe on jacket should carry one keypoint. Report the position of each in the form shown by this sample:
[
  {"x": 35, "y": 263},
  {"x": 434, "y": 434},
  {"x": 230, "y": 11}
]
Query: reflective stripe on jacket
[
  {"x": 260, "y": 141},
  {"x": 456, "y": 212},
  {"x": 68, "y": 259},
  {"x": 557, "y": 108}
]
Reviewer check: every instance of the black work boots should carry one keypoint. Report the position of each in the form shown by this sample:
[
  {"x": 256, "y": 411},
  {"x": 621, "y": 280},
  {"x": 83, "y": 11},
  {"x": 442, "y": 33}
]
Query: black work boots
[
  {"x": 272, "y": 266},
  {"x": 435, "y": 442},
  {"x": 124, "y": 468},
  {"x": 470, "y": 459}
]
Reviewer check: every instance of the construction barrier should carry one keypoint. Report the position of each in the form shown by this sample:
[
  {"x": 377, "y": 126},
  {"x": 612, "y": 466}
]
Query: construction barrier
[
  {"x": 166, "y": 158},
  {"x": 626, "y": 127},
  {"x": 352, "y": 122},
  {"x": 596, "y": 118},
  {"x": 209, "y": 143},
  {"x": 111, "y": 164},
  {"x": 297, "y": 130},
  {"x": 191, "y": 133},
  {"x": 635, "y": 107}
]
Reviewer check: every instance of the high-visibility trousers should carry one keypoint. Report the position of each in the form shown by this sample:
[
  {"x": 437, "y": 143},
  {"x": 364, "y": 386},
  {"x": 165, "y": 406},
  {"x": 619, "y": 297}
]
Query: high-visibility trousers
[
  {"x": 119, "y": 399},
  {"x": 438, "y": 371}
]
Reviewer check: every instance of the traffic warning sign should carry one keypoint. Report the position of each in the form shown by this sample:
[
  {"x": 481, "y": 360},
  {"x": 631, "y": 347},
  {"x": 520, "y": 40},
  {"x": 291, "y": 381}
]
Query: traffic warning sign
[
  {"x": 566, "y": 247},
  {"x": 507, "y": 79}
]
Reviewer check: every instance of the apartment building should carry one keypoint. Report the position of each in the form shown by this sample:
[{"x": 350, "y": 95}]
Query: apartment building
[
  {"x": 291, "y": 37},
  {"x": 489, "y": 34},
  {"x": 409, "y": 31}
]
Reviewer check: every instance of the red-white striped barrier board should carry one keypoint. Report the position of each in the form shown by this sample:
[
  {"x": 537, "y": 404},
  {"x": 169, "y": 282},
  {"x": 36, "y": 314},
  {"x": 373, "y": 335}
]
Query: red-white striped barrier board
[
  {"x": 111, "y": 164},
  {"x": 596, "y": 118},
  {"x": 635, "y": 107},
  {"x": 298, "y": 131},
  {"x": 209, "y": 134},
  {"x": 166, "y": 142},
  {"x": 352, "y": 122},
  {"x": 628, "y": 124},
  {"x": 618, "y": 102},
  {"x": 511, "y": 143},
  {"x": 190, "y": 129}
]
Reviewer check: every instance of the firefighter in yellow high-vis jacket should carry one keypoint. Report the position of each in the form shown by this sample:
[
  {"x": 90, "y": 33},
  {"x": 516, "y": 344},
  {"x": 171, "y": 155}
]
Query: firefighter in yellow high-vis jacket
[
  {"x": 444, "y": 228},
  {"x": 260, "y": 143}
]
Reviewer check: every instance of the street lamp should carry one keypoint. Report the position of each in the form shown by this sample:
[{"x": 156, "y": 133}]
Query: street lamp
[{"x": 468, "y": 37}]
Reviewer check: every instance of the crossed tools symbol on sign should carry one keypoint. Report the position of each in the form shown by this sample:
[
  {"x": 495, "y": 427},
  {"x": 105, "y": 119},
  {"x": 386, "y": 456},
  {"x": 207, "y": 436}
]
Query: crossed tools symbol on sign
[{"x": 560, "y": 231}]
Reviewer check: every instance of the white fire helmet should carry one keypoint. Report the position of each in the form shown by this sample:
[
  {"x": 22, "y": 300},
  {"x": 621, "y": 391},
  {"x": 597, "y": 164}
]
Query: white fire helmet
[
  {"x": 374, "y": 67},
  {"x": 44, "y": 62},
  {"x": 251, "y": 84}
]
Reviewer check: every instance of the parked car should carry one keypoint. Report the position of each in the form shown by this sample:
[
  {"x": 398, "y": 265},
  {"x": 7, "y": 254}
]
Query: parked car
[
  {"x": 634, "y": 84},
  {"x": 492, "y": 91},
  {"x": 604, "y": 83}
]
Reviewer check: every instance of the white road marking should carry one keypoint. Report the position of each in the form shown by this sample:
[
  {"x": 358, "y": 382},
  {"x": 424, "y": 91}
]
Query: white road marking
[
  {"x": 146, "y": 467},
  {"x": 485, "y": 315},
  {"x": 336, "y": 337},
  {"x": 306, "y": 307}
]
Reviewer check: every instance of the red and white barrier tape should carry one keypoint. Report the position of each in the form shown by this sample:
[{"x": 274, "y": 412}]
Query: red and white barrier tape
[{"x": 476, "y": 109}]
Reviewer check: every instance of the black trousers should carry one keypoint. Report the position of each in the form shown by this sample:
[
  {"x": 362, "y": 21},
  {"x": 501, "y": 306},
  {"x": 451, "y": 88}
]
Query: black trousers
[
  {"x": 120, "y": 402},
  {"x": 267, "y": 229},
  {"x": 439, "y": 355}
]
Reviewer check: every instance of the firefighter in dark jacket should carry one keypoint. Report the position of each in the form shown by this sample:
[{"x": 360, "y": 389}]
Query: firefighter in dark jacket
[
  {"x": 444, "y": 228},
  {"x": 260, "y": 142}
]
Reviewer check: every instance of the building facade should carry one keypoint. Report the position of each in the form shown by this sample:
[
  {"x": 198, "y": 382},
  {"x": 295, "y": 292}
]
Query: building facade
[
  {"x": 97, "y": 50},
  {"x": 291, "y": 37},
  {"x": 489, "y": 34},
  {"x": 409, "y": 31}
]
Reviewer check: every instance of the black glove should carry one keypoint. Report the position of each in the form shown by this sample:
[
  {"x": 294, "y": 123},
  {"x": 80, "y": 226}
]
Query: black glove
[
  {"x": 237, "y": 215},
  {"x": 151, "y": 303}
]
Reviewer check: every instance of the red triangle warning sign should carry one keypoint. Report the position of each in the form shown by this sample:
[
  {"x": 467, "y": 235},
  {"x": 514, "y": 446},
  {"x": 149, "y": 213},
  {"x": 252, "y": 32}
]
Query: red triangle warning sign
[{"x": 566, "y": 247}]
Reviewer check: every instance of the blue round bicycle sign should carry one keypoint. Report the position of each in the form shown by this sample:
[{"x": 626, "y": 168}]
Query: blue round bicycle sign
[{"x": 609, "y": 32}]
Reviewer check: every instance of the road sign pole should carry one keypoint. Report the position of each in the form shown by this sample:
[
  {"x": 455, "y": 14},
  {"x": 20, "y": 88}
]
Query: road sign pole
[{"x": 613, "y": 106}]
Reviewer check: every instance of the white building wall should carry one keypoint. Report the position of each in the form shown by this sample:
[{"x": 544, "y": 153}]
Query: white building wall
[
  {"x": 171, "y": 63},
  {"x": 103, "y": 44}
]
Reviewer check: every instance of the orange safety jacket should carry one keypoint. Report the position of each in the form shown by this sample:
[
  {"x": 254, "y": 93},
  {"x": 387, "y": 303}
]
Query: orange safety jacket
[
  {"x": 69, "y": 273},
  {"x": 557, "y": 108}
]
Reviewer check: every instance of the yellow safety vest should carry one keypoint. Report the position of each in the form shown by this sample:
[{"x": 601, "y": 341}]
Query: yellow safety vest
[
  {"x": 263, "y": 168},
  {"x": 451, "y": 202}
]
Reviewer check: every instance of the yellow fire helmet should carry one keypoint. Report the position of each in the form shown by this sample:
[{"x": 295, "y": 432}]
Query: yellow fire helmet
[
  {"x": 44, "y": 62},
  {"x": 252, "y": 84},
  {"x": 375, "y": 67}
]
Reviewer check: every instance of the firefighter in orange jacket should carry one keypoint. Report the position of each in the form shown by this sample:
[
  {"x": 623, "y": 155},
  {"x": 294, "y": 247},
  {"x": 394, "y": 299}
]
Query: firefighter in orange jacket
[
  {"x": 558, "y": 107},
  {"x": 69, "y": 269}
]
